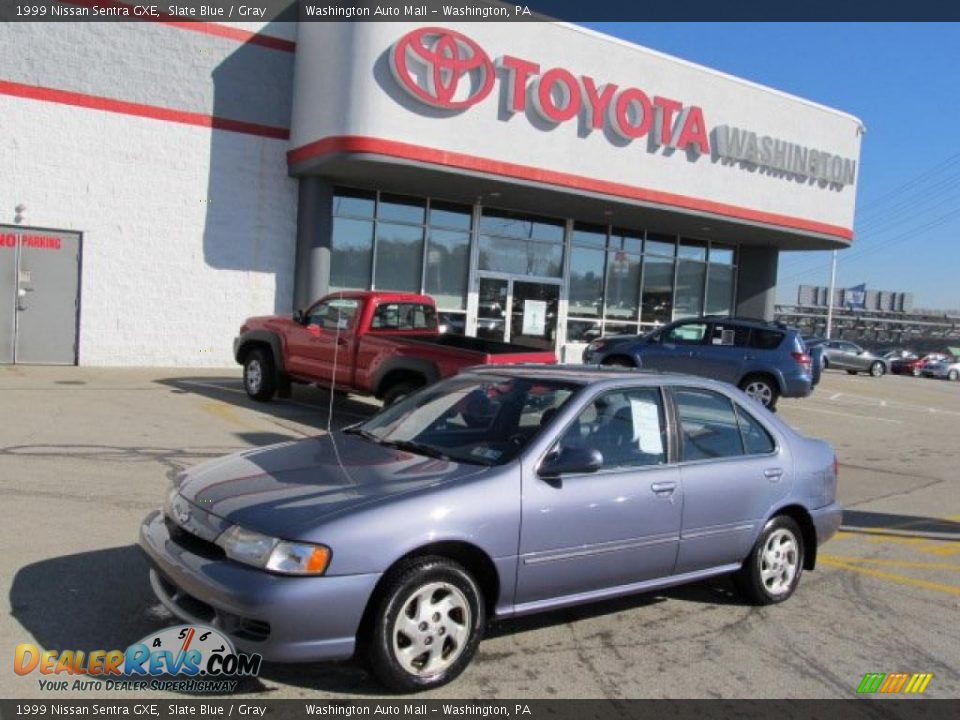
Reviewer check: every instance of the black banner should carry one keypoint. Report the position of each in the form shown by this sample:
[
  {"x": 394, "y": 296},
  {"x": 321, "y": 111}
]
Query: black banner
[
  {"x": 412, "y": 709},
  {"x": 440, "y": 11}
]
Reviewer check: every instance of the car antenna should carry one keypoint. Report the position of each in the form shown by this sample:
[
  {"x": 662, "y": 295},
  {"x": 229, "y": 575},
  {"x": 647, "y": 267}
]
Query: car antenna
[{"x": 333, "y": 387}]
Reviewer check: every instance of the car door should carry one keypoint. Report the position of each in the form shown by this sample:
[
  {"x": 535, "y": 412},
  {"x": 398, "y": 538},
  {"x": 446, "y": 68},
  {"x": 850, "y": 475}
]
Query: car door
[
  {"x": 582, "y": 533},
  {"x": 726, "y": 351},
  {"x": 323, "y": 336},
  {"x": 733, "y": 471},
  {"x": 676, "y": 349}
]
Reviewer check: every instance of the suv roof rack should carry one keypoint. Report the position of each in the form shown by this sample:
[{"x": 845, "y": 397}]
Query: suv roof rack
[{"x": 744, "y": 318}]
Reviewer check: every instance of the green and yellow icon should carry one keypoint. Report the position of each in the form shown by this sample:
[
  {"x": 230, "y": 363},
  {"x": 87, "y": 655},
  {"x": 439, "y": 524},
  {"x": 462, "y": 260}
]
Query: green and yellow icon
[{"x": 892, "y": 683}]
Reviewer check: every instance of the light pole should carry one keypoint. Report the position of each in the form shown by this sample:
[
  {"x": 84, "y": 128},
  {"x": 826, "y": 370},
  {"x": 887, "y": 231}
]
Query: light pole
[{"x": 833, "y": 282}]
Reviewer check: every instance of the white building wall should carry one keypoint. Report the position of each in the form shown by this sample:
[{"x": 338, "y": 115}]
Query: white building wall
[{"x": 186, "y": 230}]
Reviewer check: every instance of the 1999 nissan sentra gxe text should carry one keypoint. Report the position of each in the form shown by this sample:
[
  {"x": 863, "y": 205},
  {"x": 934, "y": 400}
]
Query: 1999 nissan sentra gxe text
[{"x": 498, "y": 492}]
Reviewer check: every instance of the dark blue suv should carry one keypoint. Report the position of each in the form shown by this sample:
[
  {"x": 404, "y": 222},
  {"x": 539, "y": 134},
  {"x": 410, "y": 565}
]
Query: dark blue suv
[{"x": 766, "y": 360}]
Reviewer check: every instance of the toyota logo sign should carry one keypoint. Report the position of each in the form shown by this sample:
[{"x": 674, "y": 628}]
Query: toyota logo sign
[{"x": 442, "y": 68}]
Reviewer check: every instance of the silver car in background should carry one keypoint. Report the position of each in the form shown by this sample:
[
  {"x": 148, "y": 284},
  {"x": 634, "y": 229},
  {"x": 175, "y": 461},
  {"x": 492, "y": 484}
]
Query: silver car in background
[
  {"x": 845, "y": 355},
  {"x": 948, "y": 369},
  {"x": 495, "y": 493}
]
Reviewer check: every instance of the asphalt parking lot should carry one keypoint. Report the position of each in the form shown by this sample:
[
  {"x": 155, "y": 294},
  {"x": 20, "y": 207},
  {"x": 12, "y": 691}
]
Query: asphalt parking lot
[{"x": 86, "y": 453}]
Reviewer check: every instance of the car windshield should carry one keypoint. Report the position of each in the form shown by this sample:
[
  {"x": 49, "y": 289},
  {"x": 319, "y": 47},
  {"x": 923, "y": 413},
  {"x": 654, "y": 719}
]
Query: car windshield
[{"x": 482, "y": 420}]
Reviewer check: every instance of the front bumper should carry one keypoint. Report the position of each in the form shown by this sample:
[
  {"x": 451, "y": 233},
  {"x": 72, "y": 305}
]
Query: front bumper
[
  {"x": 283, "y": 618},
  {"x": 826, "y": 521}
]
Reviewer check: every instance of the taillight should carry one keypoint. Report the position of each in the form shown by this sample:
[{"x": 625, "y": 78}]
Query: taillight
[{"x": 802, "y": 358}]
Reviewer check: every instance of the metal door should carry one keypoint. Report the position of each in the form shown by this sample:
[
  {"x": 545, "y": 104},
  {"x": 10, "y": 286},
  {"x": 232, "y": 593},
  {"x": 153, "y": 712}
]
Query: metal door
[
  {"x": 9, "y": 246},
  {"x": 44, "y": 294}
]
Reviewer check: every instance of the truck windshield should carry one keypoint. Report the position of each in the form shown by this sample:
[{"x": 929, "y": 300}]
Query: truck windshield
[{"x": 482, "y": 420}]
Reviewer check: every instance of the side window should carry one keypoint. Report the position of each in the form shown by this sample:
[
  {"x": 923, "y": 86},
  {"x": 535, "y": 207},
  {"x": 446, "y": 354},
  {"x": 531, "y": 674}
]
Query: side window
[
  {"x": 729, "y": 335},
  {"x": 686, "y": 334},
  {"x": 708, "y": 425},
  {"x": 756, "y": 439},
  {"x": 332, "y": 314},
  {"x": 403, "y": 316},
  {"x": 765, "y": 339},
  {"x": 626, "y": 426}
]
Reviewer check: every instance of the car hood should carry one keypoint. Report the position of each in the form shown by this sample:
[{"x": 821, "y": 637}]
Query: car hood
[{"x": 284, "y": 490}]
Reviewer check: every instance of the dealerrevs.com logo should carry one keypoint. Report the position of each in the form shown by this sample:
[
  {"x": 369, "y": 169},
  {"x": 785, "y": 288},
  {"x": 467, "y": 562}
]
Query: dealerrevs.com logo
[
  {"x": 185, "y": 658},
  {"x": 442, "y": 68}
]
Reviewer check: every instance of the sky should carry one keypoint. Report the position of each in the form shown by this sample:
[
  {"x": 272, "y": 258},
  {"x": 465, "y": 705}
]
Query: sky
[{"x": 901, "y": 80}]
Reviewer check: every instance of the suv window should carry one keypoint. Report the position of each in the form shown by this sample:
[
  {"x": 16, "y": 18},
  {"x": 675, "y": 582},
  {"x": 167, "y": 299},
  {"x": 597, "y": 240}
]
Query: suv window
[
  {"x": 763, "y": 339},
  {"x": 708, "y": 425},
  {"x": 686, "y": 334},
  {"x": 729, "y": 335},
  {"x": 756, "y": 439},
  {"x": 626, "y": 426},
  {"x": 404, "y": 316},
  {"x": 333, "y": 314}
]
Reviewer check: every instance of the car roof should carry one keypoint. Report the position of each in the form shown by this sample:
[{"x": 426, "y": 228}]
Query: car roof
[{"x": 594, "y": 375}]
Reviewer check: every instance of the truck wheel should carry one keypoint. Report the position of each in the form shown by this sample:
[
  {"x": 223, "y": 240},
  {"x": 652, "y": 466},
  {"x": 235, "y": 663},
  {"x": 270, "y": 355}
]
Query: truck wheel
[
  {"x": 398, "y": 392},
  {"x": 259, "y": 375}
]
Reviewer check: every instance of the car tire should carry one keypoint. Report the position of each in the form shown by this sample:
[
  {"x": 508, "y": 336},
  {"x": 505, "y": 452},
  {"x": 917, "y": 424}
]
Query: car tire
[
  {"x": 397, "y": 392},
  {"x": 454, "y": 625},
  {"x": 915, "y": 372},
  {"x": 851, "y": 372},
  {"x": 259, "y": 375},
  {"x": 877, "y": 369},
  {"x": 771, "y": 572},
  {"x": 953, "y": 375},
  {"x": 762, "y": 389}
]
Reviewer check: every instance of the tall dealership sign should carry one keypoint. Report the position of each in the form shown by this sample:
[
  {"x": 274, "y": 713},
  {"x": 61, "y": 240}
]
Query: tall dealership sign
[{"x": 447, "y": 70}]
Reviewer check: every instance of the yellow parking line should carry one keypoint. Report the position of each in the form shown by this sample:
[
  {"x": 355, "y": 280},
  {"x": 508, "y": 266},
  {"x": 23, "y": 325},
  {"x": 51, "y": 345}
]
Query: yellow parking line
[
  {"x": 893, "y": 563},
  {"x": 893, "y": 577},
  {"x": 226, "y": 413}
]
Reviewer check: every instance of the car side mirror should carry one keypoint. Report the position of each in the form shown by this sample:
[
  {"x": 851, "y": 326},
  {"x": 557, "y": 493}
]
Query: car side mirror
[
  {"x": 298, "y": 317},
  {"x": 571, "y": 461}
]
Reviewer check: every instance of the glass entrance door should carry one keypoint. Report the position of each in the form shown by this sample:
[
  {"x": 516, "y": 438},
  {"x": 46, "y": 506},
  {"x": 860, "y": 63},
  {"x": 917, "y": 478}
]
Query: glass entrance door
[{"x": 522, "y": 312}]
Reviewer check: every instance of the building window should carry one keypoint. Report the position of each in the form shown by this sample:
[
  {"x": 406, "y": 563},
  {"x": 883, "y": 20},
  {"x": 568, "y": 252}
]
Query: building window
[
  {"x": 656, "y": 305},
  {"x": 352, "y": 253},
  {"x": 691, "y": 279},
  {"x": 399, "y": 261},
  {"x": 521, "y": 244},
  {"x": 720, "y": 278},
  {"x": 403, "y": 243}
]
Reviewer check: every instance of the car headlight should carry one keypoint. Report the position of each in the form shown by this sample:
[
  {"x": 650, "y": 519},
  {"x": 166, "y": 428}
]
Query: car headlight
[
  {"x": 596, "y": 345},
  {"x": 269, "y": 553}
]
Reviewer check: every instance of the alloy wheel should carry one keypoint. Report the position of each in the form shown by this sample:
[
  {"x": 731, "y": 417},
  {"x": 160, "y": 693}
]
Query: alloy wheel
[
  {"x": 779, "y": 562},
  {"x": 432, "y": 629},
  {"x": 254, "y": 376},
  {"x": 760, "y": 391}
]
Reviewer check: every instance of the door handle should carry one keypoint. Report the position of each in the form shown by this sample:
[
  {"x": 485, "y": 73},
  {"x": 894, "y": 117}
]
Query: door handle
[
  {"x": 663, "y": 489},
  {"x": 773, "y": 474}
]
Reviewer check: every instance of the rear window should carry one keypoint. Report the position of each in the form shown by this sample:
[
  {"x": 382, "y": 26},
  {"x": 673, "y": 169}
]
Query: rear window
[
  {"x": 404, "y": 316},
  {"x": 763, "y": 339}
]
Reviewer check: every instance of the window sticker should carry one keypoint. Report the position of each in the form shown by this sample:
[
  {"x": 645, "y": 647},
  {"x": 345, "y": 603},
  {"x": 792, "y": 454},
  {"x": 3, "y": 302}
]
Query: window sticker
[
  {"x": 486, "y": 453},
  {"x": 646, "y": 425}
]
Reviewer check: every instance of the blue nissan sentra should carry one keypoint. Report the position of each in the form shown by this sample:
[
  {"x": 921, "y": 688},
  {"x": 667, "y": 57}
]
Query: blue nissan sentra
[{"x": 495, "y": 493}]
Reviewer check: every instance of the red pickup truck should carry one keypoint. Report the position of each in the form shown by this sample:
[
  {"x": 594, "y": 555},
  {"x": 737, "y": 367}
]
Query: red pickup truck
[{"x": 385, "y": 344}]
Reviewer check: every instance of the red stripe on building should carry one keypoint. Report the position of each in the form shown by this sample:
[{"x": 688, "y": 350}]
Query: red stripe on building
[
  {"x": 406, "y": 151},
  {"x": 154, "y": 112},
  {"x": 198, "y": 26}
]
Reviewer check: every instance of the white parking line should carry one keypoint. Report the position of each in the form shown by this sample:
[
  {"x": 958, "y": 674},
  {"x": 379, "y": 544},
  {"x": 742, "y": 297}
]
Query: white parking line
[
  {"x": 854, "y": 399},
  {"x": 843, "y": 414}
]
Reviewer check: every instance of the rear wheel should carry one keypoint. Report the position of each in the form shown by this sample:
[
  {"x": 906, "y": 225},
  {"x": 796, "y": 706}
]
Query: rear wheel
[
  {"x": 427, "y": 625},
  {"x": 877, "y": 369},
  {"x": 771, "y": 572},
  {"x": 954, "y": 375},
  {"x": 397, "y": 392},
  {"x": 762, "y": 389},
  {"x": 915, "y": 372},
  {"x": 259, "y": 375}
]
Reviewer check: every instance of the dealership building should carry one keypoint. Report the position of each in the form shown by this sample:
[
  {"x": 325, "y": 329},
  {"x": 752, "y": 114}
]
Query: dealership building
[{"x": 545, "y": 183}]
